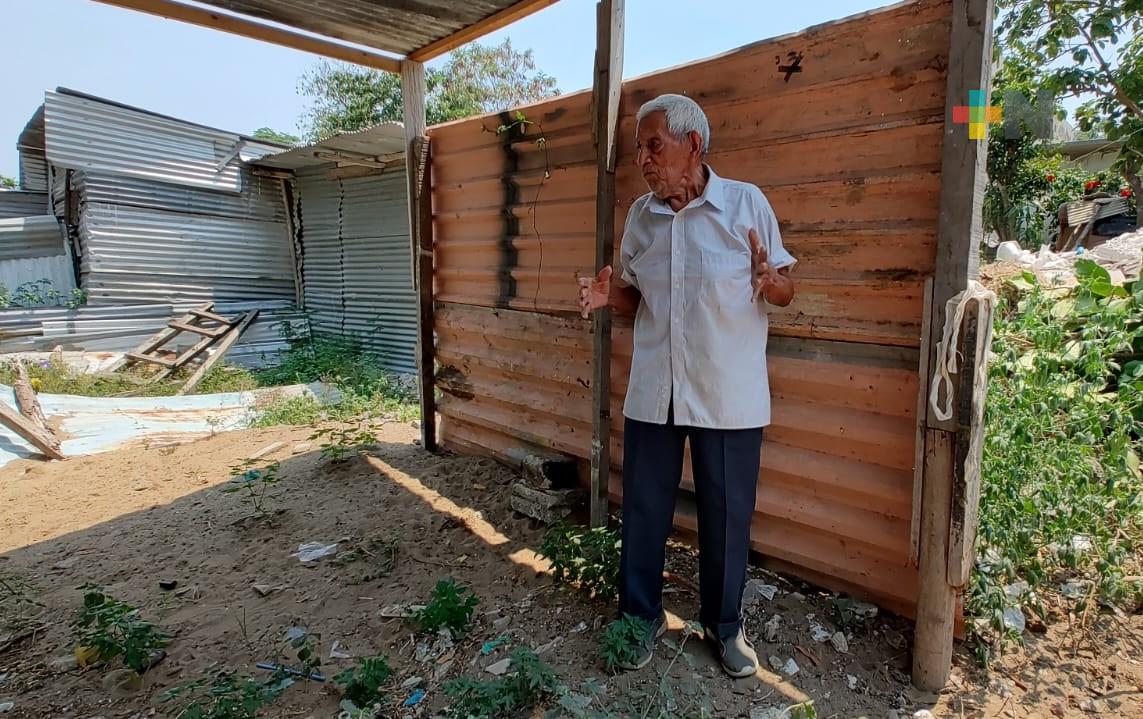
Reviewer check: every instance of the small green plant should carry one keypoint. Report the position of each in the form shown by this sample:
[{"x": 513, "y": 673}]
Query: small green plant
[
  {"x": 224, "y": 696},
  {"x": 527, "y": 682},
  {"x": 588, "y": 558},
  {"x": 343, "y": 443},
  {"x": 450, "y": 607},
  {"x": 253, "y": 484},
  {"x": 622, "y": 640},
  {"x": 363, "y": 686},
  {"x": 40, "y": 293},
  {"x": 110, "y": 628}
]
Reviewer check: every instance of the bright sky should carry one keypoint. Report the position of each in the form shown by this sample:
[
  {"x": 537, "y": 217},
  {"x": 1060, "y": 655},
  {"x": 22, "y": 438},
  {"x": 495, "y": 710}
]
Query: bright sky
[{"x": 237, "y": 84}]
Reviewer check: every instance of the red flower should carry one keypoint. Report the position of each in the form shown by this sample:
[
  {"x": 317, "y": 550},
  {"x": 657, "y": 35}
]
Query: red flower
[
  {"x": 1091, "y": 185},
  {"x": 1125, "y": 192},
  {"x": 1051, "y": 178}
]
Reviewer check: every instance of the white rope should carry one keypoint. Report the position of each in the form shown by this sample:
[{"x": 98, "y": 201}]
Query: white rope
[{"x": 946, "y": 348}]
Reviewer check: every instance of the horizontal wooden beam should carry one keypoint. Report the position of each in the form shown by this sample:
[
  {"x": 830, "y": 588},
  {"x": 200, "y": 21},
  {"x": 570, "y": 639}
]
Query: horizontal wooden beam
[
  {"x": 258, "y": 31},
  {"x": 478, "y": 29}
]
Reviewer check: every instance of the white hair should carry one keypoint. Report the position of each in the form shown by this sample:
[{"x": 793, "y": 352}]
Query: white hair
[{"x": 684, "y": 116}]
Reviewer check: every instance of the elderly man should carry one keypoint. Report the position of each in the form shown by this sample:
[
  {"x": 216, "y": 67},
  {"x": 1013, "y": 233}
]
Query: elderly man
[{"x": 701, "y": 261}]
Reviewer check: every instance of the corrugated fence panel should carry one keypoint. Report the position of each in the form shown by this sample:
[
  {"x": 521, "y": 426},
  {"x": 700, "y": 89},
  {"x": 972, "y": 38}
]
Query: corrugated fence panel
[
  {"x": 14, "y": 203},
  {"x": 22, "y": 237},
  {"x": 33, "y": 170},
  {"x": 85, "y": 133},
  {"x": 261, "y": 197},
  {"x": 847, "y": 149},
  {"x": 134, "y": 255},
  {"x": 355, "y": 264}
]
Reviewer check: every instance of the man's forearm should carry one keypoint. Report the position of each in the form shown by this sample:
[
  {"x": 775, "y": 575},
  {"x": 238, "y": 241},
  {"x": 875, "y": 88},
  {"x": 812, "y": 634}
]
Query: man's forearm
[{"x": 624, "y": 299}]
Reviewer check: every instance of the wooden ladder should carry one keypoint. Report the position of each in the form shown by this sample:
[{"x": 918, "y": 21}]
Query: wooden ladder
[{"x": 213, "y": 329}]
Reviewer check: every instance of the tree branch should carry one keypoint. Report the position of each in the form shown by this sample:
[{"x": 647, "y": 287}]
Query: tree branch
[{"x": 1120, "y": 95}]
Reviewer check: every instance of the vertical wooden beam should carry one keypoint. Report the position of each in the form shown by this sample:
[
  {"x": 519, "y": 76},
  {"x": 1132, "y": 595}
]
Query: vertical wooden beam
[
  {"x": 959, "y": 231},
  {"x": 413, "y": 96},
  {"x": 296, "y": 258},
  {"x": 606, "y": 89}
]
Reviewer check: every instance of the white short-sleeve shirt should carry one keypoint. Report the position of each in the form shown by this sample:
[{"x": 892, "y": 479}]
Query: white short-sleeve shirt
[{"x": 699, "y": 340}]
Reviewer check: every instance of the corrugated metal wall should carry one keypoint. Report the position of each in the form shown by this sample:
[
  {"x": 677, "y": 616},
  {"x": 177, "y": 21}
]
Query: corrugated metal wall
[
  {"x": 15, "y": 203},
  {"x": 848, "y": 152},
  {"x": 85, "y": 133},
  {"x": 146, "y": 241},
  {"x": 355, "y": 262},
  {"x": 33, "y": 170},
  {"x": 31, "y": 251}
]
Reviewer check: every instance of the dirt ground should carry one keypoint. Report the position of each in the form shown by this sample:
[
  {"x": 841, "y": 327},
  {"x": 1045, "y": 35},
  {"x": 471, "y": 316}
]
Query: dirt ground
[{"x": 129, "y": 519}]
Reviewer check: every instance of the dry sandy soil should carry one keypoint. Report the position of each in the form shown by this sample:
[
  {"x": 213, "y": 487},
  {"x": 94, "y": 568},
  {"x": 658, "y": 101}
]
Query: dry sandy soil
[{"x": 128, "y": 519}]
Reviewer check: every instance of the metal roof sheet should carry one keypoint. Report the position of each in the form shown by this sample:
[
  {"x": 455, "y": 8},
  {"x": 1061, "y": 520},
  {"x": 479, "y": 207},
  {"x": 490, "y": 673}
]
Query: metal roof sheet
[
  {"x": 15, "y": 203},
  {"x": 380, "y": 143},
  {"x": 23, "y": 237}
]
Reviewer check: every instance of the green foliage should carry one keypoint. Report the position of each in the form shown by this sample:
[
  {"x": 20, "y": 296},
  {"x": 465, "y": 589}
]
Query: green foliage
[
  {"x": 527, "y": 682},
  {"x": 364, "y": 684},
  {"x": 112, "y": 628},
  {"x": 368, "y": 389},
  {"x": 305, "y": 650},
  {"x": 343, "y": 443},
  {"x": 57, "y": 378},
  {"x": 476, "y": 79},
  {"x": 8, "y": 183},
  {"x": 224, "y": 696},
  {"x": 450, "y": 607},
  {"x": 1091, "y": 50},
  {"x": 622, "y": 641},
  {"x": 40, "y": 293},
  {"x": 284, "y": 138},
  {"x": 588, "y": 558},
  {"x": 253, "y": 485},
  {"x": 1061, "y": 485}
]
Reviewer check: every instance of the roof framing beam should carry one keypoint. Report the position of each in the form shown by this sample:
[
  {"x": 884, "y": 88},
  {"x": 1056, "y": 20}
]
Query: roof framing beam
[
  {"x": 259, "y": 31},
  {"x": 492, "y": 23}
]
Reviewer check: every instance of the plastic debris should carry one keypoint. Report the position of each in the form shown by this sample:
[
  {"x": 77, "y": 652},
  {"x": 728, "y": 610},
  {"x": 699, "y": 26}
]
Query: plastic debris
[
  {"x": 1015, "y": 590},
  {"x": 1014, "y": 619},
  {"x": 579, "y": 628},
  {"x": 295, "y": 633},
  {"x": 819, "y": 633},
  {"x": 401, "y": 611},
  {"x": 7, "y": 707},
  {"x": 790, "y": 668},
  {"x": 313, "y": 551},
  {"x": 415, "y": 698},
  {"x": 775, "y": 663},
  {"x": 499, "y": 667},
  {"x": 851, "y": 681},
  {"x": 923, "y": 714},
  {"x": 491, "y": 645},
  {"x": 412, "y": 682},
  {"x": 337, "y": 652},
  {"x": 771, "y": 628},
  {"x": 839, "y": 642},
  {"x": 168, "y": 584},
  {"x": 865, "y": 610},
  {"x": 1081, "y": 543},
  {"x": 767, "y": 713},
  {"x": 756, "y": 590},
  {"x": 1075, "y": 590}
]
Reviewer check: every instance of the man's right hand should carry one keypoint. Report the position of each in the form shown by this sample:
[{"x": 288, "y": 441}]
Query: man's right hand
[{"x": 594, "y": 292}]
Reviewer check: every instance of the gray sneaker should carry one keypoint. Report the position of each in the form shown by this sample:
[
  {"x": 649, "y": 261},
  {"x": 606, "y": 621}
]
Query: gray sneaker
[
  {"x": 646, "y": 649},
  {"x": 736, "y": 654}
]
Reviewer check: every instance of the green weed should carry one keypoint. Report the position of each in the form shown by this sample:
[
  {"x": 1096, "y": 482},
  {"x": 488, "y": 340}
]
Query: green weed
[
  {"x": 364, "y": 684},
  {"x": 622, "y": 640},
  {"x": 57, "y": 378},
  {"x": 450, "y": 607},
  {"x": 588, "y": 558},
  {"x": 111, "y": 628},
  {"x": 225, "y": 696},
  {"x": 527, "y": 682},
  {"x": 253, "y": 485},
  {"x": 343, "y": 443},
  {"x": 1061, "y": 503}
]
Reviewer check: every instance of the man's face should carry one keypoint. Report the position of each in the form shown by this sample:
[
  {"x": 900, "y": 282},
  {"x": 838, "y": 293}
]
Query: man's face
[{"x": 664, "y": 159}]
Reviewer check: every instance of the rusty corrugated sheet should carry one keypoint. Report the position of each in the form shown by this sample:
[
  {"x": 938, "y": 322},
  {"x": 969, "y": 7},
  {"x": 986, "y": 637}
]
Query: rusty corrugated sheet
[{"x": 848, "y": 152}]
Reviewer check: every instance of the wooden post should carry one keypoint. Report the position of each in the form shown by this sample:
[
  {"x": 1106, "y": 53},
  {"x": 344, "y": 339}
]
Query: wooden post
[
  {"x": 605, "y": 107},
  {"x": 420, "y": 233},
  {"x": 959, "y": 231}
]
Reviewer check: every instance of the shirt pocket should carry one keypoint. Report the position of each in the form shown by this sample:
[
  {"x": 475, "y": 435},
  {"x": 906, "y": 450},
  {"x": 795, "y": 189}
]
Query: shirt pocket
[{"x": 725, "y": 278}]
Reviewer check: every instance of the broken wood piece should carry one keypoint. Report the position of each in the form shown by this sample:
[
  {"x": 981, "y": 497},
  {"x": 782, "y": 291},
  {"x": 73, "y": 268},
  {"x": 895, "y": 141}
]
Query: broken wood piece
[
  {"x": 272, "y": 447},
  {"x": 548, "y": 498},
  {"x": 223, "y": 347},
  {"x": 21, "y": 425},
  {"x": 138, "y": 357},
  {"x": 207, "y": 315},
  {"x": 198, "y": 330},
  {"x": 26, "y": 400},
  {"x": 181, "y": 361}
]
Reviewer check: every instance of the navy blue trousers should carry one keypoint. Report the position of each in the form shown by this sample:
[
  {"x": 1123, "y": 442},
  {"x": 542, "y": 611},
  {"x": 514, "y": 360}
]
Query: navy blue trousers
[{"x": 725, "y": 466}]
